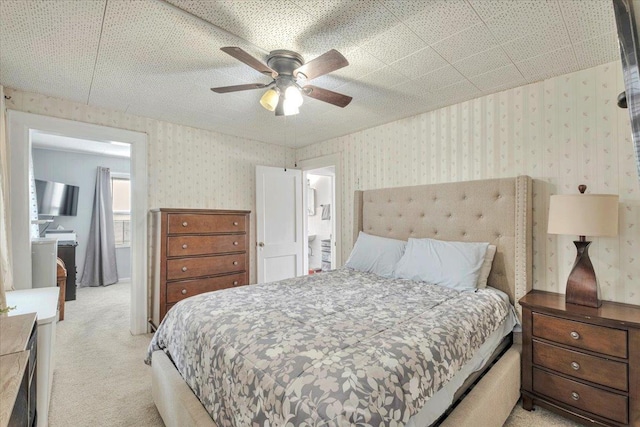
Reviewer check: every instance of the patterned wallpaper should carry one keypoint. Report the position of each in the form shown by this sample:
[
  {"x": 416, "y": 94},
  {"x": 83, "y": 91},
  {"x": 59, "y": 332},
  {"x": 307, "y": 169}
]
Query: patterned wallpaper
[
  {"x": 188, "y": 167},
  {"x": 563, "y": 132}
]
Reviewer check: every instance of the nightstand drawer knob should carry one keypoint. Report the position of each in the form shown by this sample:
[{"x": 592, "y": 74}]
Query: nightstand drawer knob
[
  {"x": 184, "y": 292},
  {"x": 184, "y": 246},
  {"x": 184, "y": 224},
  {"x": 574, "y": 395},
  {"x": 574, "y": 335},
  {"x": 575, "y": 366},
  {"x": 184, "y": 268},
  {"x": 235, "y": 282},
  {"x": 235, "y": 223},
  {"x": 235, "y": 262},
  {"x": 235, "y": 243}
]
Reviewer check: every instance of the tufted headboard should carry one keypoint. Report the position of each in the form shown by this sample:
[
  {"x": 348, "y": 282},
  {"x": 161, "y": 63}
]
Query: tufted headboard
[{"x": 497, "y": 211}]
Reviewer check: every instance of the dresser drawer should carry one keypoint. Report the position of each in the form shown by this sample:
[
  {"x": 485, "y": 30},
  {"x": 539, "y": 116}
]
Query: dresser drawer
[
  {"x": 184, "y": 268},
  {"x": 582, "y": 335},
  {"x": 203, "y": 245},
  {"x": 591, "y": 399},
  {"x": 203, "y": 223},
  {"x": 177, "y": 291},
  {"x": 591, "y": 368}
]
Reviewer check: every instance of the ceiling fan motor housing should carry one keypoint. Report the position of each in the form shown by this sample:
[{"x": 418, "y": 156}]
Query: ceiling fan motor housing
[{"x": 284, "y": 61}]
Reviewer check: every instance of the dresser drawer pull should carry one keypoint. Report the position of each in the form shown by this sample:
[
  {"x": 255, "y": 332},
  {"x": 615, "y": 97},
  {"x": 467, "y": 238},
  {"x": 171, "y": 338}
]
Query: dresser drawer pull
[
  {"x": 575, "y": 366},
  {"x": 574, "y": 395},
  {"x": 235, "y": 243},
  {"x": 574, "y": 335},
  {"x": 235, "y": 282},
  {"x": 184, "y": 224},
  {"x": 235, "y": 222},
  {"x": 184, "y": 246},
  {"x": 184, "y": 292},
  {"x": 235, "y": 262},
  {"x": 184, "y": 268}
]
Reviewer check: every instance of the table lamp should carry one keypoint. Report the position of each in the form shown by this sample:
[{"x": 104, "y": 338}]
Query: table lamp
[{"x": 583, "y": 215}]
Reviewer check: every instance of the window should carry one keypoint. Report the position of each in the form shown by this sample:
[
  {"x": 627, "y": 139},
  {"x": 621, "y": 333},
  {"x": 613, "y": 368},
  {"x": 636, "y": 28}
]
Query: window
[{"x": 121, "y": 194}]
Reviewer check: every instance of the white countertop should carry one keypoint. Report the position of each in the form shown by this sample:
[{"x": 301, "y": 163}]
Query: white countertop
[{"x": 43, "y": 301}]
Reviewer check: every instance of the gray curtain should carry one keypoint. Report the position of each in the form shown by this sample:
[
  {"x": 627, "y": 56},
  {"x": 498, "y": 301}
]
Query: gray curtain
[{"x": 100, "y": 263}]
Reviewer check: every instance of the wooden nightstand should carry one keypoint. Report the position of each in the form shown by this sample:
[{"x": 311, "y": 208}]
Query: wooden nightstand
[{"x": 581, "y": 362}]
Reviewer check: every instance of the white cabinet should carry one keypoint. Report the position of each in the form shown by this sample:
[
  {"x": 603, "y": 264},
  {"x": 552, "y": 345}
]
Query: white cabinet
[{"x": 43, "y": 302}]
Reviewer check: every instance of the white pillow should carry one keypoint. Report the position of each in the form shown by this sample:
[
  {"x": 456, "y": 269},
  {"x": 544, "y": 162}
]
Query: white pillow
[
  {"x": 376, "y": 254},
  {"x": 455, "y": 265},
  {"x": 486, "y": 266}
]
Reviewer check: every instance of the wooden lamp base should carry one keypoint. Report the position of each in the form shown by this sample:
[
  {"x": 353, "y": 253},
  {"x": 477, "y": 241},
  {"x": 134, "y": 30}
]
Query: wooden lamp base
[{"x": 582, "y": 285}]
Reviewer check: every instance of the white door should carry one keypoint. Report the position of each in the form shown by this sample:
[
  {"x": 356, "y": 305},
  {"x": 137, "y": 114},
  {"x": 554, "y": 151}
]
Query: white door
[{"x": 279, "y": 223}]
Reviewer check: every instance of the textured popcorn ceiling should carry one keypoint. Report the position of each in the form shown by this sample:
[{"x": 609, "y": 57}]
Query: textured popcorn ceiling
[{"x": 159, "y": 59}]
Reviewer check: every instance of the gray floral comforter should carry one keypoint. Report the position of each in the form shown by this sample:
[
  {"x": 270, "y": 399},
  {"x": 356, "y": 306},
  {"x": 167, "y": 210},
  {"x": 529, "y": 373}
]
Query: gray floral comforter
[{"x": 333, "y": 349}]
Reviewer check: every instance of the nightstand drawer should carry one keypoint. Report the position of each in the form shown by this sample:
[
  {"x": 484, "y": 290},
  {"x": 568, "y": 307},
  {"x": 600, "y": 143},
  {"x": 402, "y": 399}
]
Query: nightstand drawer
[
  {"x": 582, "y": 335},
  {"x": 590, "y": 399},
  {"x": 583, "y": 366}
]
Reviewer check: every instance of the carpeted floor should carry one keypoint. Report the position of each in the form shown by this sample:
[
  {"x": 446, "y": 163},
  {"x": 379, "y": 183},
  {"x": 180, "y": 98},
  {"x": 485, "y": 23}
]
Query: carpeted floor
[{"x": 100, "y": 378}]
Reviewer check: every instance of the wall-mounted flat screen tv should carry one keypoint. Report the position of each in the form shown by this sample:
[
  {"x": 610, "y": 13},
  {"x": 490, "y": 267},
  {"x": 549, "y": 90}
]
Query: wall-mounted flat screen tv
[{"x": 56, "y": 198}]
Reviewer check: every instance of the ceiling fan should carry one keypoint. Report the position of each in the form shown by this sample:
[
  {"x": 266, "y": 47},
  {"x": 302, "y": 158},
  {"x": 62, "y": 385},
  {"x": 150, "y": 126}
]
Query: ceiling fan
[{"x": 290, "y": 74}]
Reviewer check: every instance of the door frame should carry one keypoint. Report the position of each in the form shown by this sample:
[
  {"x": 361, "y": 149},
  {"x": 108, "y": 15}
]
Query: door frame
[
  {"x": 334, "y": 160},
  {"x": 19, "y": 126}
]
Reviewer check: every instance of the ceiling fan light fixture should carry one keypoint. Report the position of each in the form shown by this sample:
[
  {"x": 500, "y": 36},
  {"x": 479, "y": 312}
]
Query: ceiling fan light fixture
[
  {"x": 270, "y": 99},
  {"x": 293, "y": 96},
  {"x": 290, "y": 73}
]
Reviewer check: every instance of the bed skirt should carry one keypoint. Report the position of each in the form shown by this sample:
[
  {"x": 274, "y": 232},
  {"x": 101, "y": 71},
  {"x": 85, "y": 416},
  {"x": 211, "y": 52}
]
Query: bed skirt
[{"x": 499, "y": 390}]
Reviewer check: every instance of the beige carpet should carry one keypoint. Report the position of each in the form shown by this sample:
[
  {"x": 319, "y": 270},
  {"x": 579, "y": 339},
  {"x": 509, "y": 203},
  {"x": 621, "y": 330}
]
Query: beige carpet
[{"x": 100, "y": 378}]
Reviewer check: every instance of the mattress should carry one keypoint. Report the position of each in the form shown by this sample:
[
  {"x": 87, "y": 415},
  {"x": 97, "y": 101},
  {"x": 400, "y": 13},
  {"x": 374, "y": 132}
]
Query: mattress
[{"x": 333, "y": 349}]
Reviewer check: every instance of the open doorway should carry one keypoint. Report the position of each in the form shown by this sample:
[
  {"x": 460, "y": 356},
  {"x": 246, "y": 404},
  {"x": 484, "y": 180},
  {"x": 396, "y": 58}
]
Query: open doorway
[
  {"x": 322, "y": 213},
  {"x": 321, "y": 255},
  {"x": 21, "y": 129}
]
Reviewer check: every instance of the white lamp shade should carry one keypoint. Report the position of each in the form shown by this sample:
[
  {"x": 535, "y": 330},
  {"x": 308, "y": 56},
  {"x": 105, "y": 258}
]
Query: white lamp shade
[
  {"x": 584, "y": 214},
  {"x": 289, "y": 107},
  {"x": 292, "y": 95}
]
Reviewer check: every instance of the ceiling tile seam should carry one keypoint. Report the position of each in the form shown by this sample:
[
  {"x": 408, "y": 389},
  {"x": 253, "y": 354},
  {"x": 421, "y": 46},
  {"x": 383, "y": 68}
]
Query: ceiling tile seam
[
  {"x": 564, "y": 22},
  {"x": 235, "y": 36},
  {"x": 169, "y": 33},
  {"x": 415, "y": 34},
  {"x": 438, "y": 41},
  {"x": 95, "y": 62},
  {"x": 424, "y": 41},
  {"x": 345, "y": 37},
  {"x": 500, "y": 45}
]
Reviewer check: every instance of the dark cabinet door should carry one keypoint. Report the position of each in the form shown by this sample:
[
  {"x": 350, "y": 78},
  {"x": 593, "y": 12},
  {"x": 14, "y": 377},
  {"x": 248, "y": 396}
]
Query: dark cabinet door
[{"x": 67, "y": 253}]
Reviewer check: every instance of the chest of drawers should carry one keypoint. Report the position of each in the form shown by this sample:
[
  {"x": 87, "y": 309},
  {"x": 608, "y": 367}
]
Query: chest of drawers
[
  {"x": 582, "y": 362},
  {"x": 196, "y": 251}
]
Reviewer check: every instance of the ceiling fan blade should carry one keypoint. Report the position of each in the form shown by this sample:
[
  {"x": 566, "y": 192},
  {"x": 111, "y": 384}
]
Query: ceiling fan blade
[
  {"x": 323, "y": 64},
  {"x": 326, "y": 95},
  {"x": 237, "y": 88},
  {"x": 252, "y": 62}
]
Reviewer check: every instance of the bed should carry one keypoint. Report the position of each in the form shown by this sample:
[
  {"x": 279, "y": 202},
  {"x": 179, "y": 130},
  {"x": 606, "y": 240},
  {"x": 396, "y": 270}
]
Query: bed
[{"x": 255, "y": 380}]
